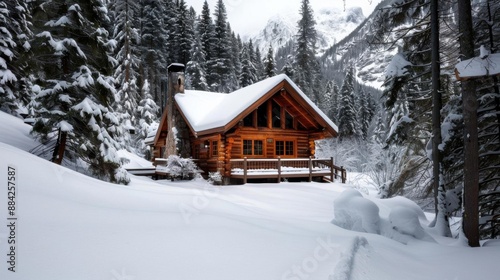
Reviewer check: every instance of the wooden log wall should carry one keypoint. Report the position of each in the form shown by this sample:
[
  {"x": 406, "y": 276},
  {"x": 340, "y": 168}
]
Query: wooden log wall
[{"x": 302, "y": 142}]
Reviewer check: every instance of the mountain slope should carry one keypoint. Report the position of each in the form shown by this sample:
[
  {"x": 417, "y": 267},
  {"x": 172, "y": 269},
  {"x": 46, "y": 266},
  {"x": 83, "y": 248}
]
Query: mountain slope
[
  {"x": 331, "y": 24},
  {"x": 369, "y": 60}
]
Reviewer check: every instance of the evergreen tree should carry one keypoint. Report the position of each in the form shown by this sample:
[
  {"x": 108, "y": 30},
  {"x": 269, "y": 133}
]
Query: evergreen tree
[
  {"x": 269, "y": 65},
  {"x": 7, "y": 77},
  {"x": 259, "y": 66},
  {"x": 75, "y": 84},
  {"x": 288, "y": 68},
  {"x": 306, "y": 64},
  {"x": 248, "y": 74},
  {"x": 364, "y": 114},
  {"x": 147, "y": 114},
  {"x": 335, "y": 102},
  {"x": 184, "y": 33},
  {"x": 14, "y": 47},
  {"x": 347, "y": 120},
  {"x": 220, "y": 62},
  {"x": 127, "y": 71},
  {"x": 486, "y": 29},
  {"x": 195, "y": 69},
  {"x": 232, "y": 82},
  {"x": 329, "y": 104},
  {"x": 171, "y": 15},
  {"x": 236, "y": 46},
  {"x": 153, "y": 45},
  {"x": 206, "y": 32}
]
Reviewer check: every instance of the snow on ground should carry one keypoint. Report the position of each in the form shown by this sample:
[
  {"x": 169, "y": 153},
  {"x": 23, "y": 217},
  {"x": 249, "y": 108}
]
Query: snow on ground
[
  {"x": 14, "y": 131},
  {"x": 70, "y": 226}
]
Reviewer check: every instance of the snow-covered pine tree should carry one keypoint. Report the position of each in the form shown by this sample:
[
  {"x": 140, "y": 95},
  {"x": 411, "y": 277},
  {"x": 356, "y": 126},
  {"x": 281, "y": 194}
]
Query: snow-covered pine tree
[
  {"x": 7, "y": 77},
  {"x": 153, "y": 45},
  {"x": 172, "y": 28},
  {"x": 306, "y": 65},
  {"x": 329, "y": 104},
  {"x": 248, "y": 74},
  {"x": 288, "y": 68},
  {"x": 269, "y": 64},
  {"x": 259, "y": 66},
  {"x": 184, "y": 33},
  {"x": 236, "y": 46},
  {"x": 220, "y": 62},
  {"x": 14, "y": 55},
  {"x": 409, "y": 97},
  {"x": 126, "y": 74},
  {"x": 206, "y": 32},
  {"x": 195, "y": 69},
  {"x": 232, "y": 82},
  {"x": 347, "y": 120},
  {"x": 364, "y": 114},
  {"x": 76, "y": 84},
  {"x": 487, "y": 28},
  {"x": 147, "y": 115}
]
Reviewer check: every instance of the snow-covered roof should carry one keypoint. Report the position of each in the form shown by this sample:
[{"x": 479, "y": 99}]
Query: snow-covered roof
[{"x": 210, "y": 110}]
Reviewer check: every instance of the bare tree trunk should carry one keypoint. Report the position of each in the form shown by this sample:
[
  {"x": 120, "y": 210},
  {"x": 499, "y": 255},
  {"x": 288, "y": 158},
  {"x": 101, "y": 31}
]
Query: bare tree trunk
[
  {"x": 471, "y": 160},
  {"x": 442, "y": 223},
  {"x": 58, "y": 154}
]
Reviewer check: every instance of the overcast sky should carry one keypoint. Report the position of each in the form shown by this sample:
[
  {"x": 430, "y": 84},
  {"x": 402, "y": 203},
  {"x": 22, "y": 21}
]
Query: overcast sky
[{"x": 248, "y": 16}]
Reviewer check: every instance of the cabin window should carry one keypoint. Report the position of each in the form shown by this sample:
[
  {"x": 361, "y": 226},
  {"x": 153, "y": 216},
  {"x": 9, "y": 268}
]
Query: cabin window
[
  {"x": 262, "y": 115},
  {"x": 248, "y": 120},
  {"x": 258, "y": 147},
  {"x": 276, "y": 110},
  {"x": 214, "y": 148},
  {"x": 247, "y": 147},
  {"x": 284, "y": 148},
  {"x": 253, "y": 147}
]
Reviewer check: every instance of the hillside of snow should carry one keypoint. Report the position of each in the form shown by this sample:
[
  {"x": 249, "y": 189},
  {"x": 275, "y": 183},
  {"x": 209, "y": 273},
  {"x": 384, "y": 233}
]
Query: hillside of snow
[
  {"x": 66, "y": 225},
  {"x": 370, "y": 60},
  {"x": 332, "y": 25}
]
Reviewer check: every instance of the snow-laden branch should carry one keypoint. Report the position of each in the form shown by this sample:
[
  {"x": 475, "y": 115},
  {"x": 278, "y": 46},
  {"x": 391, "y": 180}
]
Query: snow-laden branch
[{"x": 485, "y": 64}]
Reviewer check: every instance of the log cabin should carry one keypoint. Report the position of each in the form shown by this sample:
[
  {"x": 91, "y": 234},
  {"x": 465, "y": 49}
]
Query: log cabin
[{"x": 270, "y": 121}]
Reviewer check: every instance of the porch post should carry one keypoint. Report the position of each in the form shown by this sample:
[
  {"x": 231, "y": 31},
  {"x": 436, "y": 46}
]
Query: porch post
[
  {"x": 310, "y": 169},
  {"x": 244, "y": 170},
  {"x": 331, "y": 168},
  {"x": 279, "y": 169},
  {"x": 343, "y": 174}
]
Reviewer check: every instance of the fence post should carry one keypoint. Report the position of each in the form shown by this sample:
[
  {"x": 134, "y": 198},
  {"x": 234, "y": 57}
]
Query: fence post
[
  {"x": 344, "y": 175},
  {"x": 331, "y": 168},
  {"x": 279, "y": 169},
  {"x": 310, "y": 168},
  {"x": 244, "y": 170}
]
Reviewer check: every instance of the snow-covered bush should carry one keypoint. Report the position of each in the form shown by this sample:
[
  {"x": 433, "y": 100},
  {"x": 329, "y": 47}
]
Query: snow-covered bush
[
  {"x": 354, "y": 212},
  {"x": 352, "y": 154},
  {"x": 405, "y": 225},
  {"x": 215, "y": 178},
  {"x": 183, "y": 168}
]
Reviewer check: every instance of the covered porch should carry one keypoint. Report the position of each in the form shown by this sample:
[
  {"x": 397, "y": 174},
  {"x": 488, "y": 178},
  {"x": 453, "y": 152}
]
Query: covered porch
[{"x": 278, "y": 168}]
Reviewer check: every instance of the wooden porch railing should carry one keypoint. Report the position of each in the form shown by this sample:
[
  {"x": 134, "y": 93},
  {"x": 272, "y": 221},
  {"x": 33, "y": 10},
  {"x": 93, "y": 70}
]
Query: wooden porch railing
[{"x": 287, "y": 168}]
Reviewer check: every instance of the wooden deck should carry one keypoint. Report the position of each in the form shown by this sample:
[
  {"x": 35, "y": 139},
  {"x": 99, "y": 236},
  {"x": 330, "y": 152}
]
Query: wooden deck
[{"x": 279, "y": 168}]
